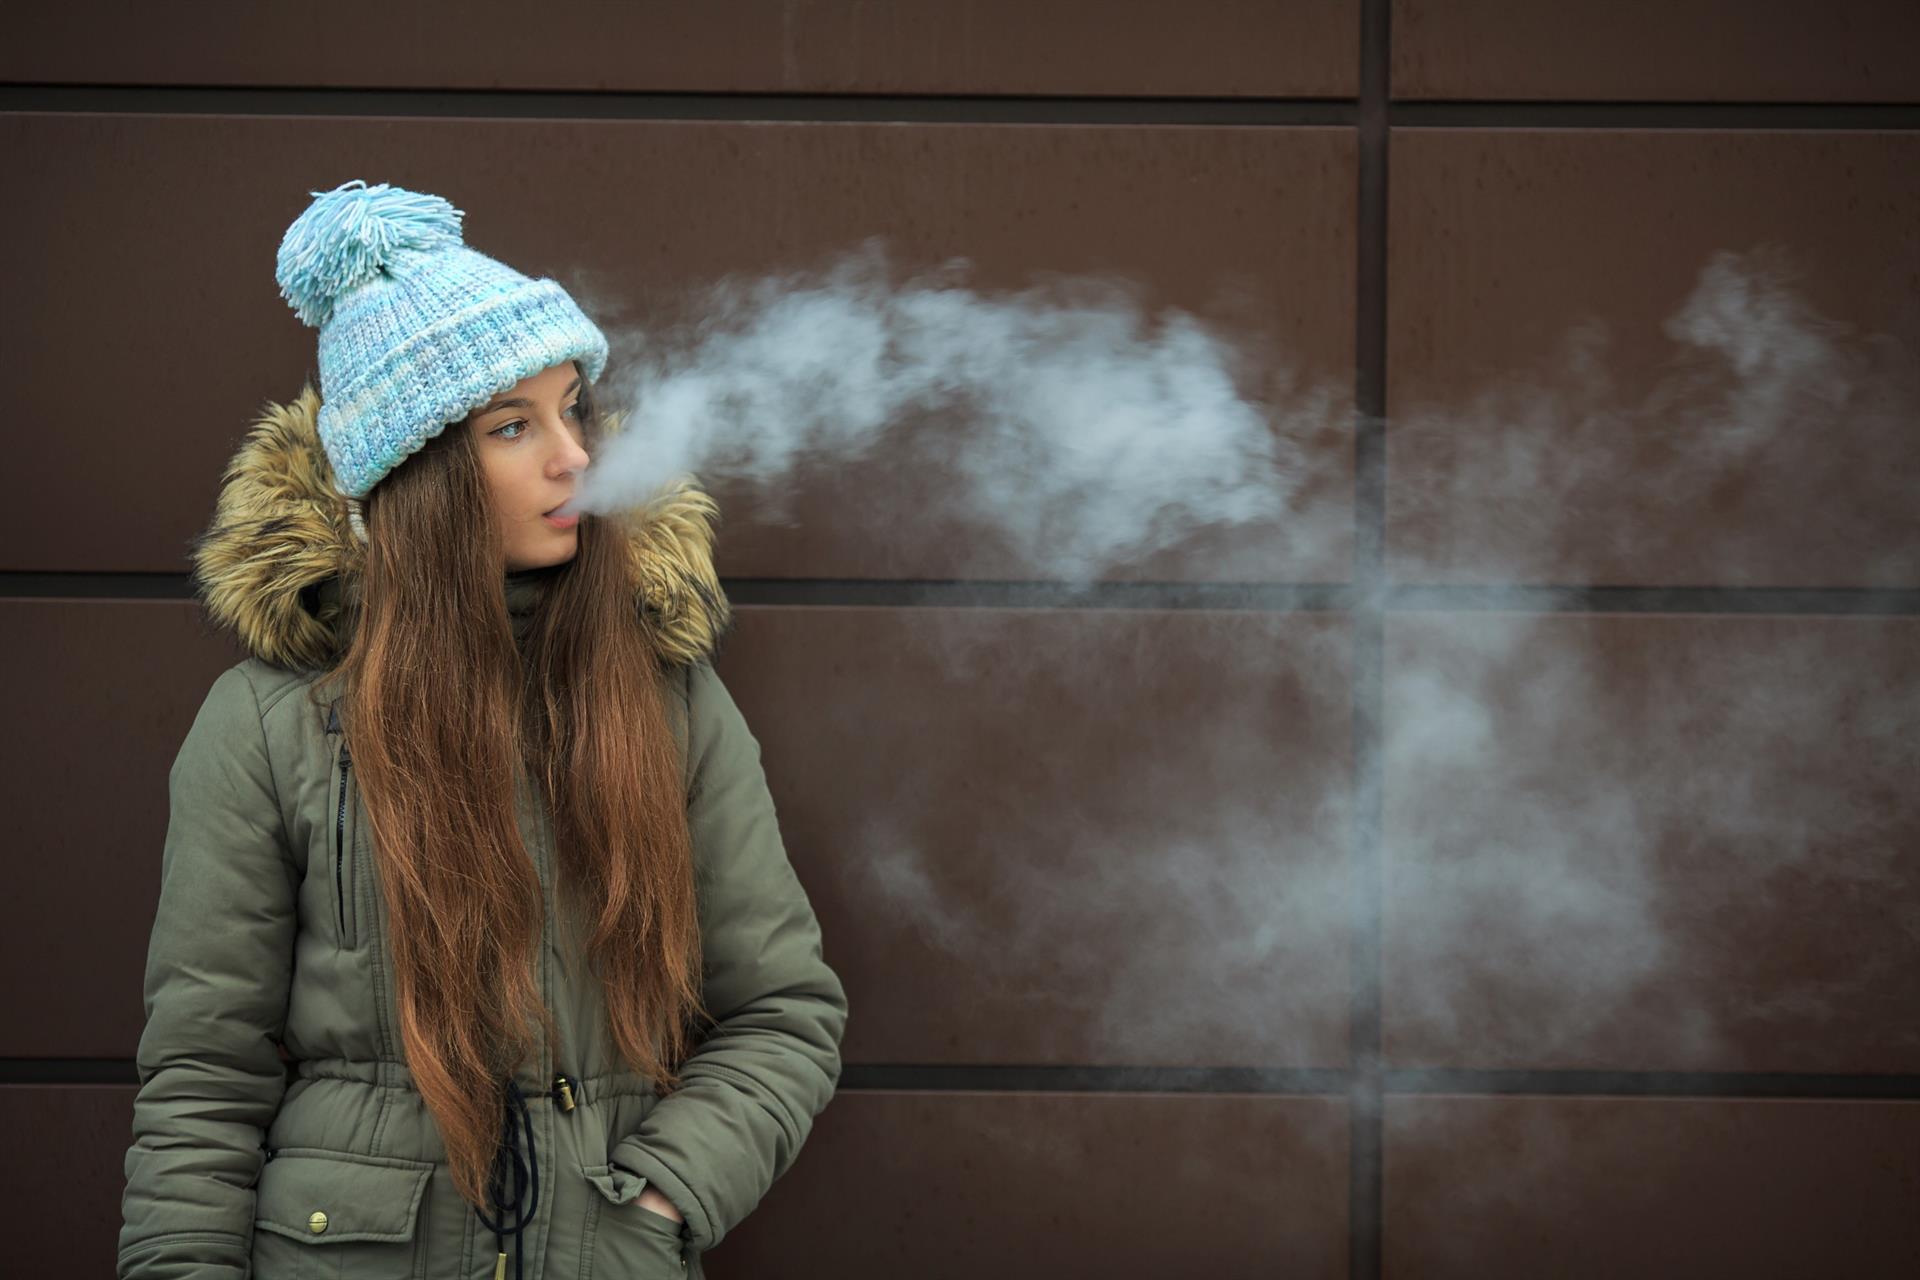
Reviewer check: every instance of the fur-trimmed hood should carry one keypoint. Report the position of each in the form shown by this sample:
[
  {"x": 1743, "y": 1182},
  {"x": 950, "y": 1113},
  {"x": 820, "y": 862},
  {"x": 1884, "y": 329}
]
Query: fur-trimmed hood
[{"x": 282, "y": 550}]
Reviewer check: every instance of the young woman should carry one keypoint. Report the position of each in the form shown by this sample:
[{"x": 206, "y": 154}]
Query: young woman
[{"x": 478, "y": 952}]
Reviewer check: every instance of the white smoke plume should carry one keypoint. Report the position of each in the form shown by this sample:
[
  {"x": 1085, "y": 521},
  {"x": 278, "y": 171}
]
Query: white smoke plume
[
  {"x": 1097, "y": 432},
  {"x": 1577, "y": 810}
]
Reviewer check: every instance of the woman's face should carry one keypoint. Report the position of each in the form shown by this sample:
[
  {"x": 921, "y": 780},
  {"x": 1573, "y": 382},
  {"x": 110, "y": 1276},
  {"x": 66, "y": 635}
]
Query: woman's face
[{"x": 530, "y": 441}]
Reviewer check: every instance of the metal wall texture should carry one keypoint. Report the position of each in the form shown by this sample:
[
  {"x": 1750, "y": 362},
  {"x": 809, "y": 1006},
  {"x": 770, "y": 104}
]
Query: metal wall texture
[{"x": 1477, "y": 220}]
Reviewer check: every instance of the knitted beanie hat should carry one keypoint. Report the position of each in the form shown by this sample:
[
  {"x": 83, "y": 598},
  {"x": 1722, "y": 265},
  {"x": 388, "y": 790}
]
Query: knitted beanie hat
[{"x": 416, "y": 329}]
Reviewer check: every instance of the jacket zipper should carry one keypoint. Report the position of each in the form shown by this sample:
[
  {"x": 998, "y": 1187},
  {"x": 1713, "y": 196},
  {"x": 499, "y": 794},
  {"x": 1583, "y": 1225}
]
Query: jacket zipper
[{"x": 340, "y": 847}]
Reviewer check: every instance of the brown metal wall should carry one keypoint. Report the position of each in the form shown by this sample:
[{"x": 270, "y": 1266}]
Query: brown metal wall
[{"x": 1406, "y": 196}]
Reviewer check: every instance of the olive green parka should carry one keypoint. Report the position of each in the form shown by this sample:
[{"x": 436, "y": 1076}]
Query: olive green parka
[{"x": 271, "y": 932}]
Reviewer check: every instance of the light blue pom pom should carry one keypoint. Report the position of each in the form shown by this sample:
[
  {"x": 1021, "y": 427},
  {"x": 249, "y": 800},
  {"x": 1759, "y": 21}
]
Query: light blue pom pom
[{"x": 347, "y": 235}]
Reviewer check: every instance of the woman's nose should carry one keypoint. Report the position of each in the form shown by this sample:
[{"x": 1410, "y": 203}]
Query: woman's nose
[{"x": 569, "y": 455}]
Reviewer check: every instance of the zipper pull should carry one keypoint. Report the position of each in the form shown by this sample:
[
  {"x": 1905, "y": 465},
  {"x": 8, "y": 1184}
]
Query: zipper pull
[
  {"x": 563, "y": 1090},
  {"x": 500, "y": 1268},
  {"x": 333, "y": 726}
]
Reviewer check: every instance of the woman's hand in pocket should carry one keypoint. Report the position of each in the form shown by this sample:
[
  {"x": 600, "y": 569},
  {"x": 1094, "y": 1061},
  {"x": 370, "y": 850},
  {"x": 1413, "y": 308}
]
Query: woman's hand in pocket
[
  {"x": 654, "y": 1202},
  {"x": 643, "y": 1239}
]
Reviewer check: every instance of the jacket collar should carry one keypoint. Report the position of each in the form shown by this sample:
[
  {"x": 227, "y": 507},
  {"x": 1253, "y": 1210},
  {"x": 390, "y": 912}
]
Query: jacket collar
[{"x": 281, "y": 554}]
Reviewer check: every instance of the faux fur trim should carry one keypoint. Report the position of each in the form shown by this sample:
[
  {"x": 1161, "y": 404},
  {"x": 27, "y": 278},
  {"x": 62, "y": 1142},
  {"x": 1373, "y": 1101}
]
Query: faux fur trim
[{"x": 280, "y": 531}]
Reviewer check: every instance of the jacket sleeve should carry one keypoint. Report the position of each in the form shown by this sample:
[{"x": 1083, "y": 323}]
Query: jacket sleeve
[
  {"x": 218, "y": 967},
  {"x": 769, "y": 1065}
]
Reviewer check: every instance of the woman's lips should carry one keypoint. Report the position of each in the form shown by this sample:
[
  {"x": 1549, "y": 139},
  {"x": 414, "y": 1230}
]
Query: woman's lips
[{"x": 561, "y": 522}]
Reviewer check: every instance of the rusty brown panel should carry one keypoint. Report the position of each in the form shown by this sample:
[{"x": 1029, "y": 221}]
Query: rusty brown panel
[
  {"x": 1655, "y": 358},
  {"x": 1491, "y": 1188},
  {"x": 1677, "y": 843},
  {"x": 1251, "y": 229},
  {"x": 1086, "y": 836},
  {"x": 1657, "y": 50},
  {"x": 1041, "y": 1185},
  {"x": 957, "y": 1184},
  {"x": 1219, "y": 48},
  {"x": 91, "y": 736},
  {"x": 68, "y": 1145}
]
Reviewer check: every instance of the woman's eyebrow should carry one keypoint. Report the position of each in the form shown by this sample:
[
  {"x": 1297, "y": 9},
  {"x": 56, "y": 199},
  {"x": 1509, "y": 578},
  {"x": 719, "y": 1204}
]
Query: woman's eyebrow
[{"x": 521, "y": 402}]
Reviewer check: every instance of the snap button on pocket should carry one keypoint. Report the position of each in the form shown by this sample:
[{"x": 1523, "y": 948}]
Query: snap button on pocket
[
  {"x": 339, "y": 1213},
  {"x": 360, "y": 1199}
]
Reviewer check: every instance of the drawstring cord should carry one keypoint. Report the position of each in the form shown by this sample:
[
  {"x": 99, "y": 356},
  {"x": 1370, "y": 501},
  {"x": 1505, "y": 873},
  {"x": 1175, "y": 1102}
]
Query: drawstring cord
[{"x": 524, "y": 1175}]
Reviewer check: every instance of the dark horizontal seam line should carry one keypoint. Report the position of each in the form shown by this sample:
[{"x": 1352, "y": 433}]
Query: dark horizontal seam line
[
  {"x": 68, "y": 1071},
  {"x": 1318, "y": 1081},
  {"x": 85, "y": 585},
  {"x": 1702, "y": 1084},
  {"x": 1673, "y": 599},
  {"x": 1251, "y": 596},
  {"x": 615, "y": 104},
  {"x": 1319, "y": 596},
  {"x": 1082, "y": 1079},
  {"x": 956, "y": 593},
  {"x": 1540, "y": 113},
  {"x": 981, "y": 108},
  {"x": 1424, "y": 1081}
]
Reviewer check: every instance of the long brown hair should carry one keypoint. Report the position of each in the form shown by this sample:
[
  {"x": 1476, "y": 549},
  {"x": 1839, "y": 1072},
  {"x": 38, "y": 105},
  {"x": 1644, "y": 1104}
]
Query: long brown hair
[{"x": 442, "y": 710}]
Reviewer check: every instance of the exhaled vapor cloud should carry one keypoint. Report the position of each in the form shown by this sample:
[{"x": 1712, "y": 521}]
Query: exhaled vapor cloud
[
  {"x": 1570, "y": 822},
  {"x": 1096, "y": 432}
]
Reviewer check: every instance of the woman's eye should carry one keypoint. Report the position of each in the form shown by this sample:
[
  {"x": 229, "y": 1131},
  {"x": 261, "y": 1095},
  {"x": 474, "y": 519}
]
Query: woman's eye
[{"x": 577, "y": 409}]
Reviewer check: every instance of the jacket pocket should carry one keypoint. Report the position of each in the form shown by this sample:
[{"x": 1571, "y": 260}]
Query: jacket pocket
[
  {"x": 334, "y": 1213},
  {"x": 626, "y": 1240}
]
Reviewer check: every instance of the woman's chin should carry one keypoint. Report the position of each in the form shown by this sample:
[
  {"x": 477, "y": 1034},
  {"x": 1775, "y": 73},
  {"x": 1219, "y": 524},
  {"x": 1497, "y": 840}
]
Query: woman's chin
[{"x": 544, "y": 559}]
